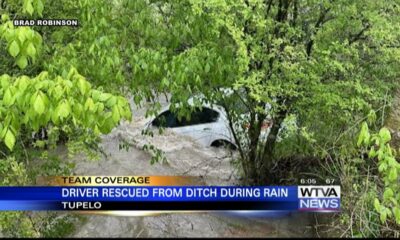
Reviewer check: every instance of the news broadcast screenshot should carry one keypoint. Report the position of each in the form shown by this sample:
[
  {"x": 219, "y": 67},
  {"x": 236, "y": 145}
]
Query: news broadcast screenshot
[{"x": 199, "y": 119}]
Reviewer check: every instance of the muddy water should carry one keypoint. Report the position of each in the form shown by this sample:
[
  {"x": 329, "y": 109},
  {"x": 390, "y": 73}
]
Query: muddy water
[{"x": 185, "y": 157}]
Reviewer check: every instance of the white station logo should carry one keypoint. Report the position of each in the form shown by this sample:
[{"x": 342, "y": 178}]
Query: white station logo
[{"x": 319, "y": 191}]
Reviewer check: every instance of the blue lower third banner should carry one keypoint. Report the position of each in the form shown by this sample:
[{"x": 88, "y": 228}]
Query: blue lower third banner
[{"x": 171, "y": 198}]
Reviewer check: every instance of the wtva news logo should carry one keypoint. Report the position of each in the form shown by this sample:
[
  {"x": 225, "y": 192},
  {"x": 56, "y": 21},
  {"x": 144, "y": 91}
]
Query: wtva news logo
[{"x": 319, "y": 198}]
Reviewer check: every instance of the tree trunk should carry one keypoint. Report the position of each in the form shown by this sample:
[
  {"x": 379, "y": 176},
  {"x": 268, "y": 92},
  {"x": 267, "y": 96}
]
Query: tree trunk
[{"x": 267, "y": 157}]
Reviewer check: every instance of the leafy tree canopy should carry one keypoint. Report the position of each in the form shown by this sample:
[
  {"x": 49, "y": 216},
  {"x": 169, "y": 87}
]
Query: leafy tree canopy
[{"x": 321, "y": 65}]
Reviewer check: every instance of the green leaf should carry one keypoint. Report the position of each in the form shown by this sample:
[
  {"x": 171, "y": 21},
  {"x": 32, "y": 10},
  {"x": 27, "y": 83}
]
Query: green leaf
[
  {"x": 82, "y": 85},
  {"x": 388, "y": 213},
  {"x": 4, "y": 17},
  {"x": 111, "y": 101},
  {"x": 393, "y": 174},
  {"x": 164, "y": 82},
  {"x": 55, "y": 117},
  {"x": 4, "y": 81},
  {"x": 115, "y": 114},
  {"x": 396, "y": 212},
  {"x": 31, "y": 50},
  {"x": 107, "y": 125},
  {"x": 96, "y": 95},
  {"x": 14, "y": 49},
  {"x": 22, "y": 35},
  {"x": 207, "y": 68},
  {"x": 383, "y": 215},
  {"x": 8, "y": 99},
  {"x": 89, "y": 104},
  {"x": 22, "y": 62},
  {"x": 71, "y": 73},
  {"x": 78, "y": 109},
  {"x": 377, "y": 205},
  {"x": 63, "y": 110},
  {"x": 372, "y": 153},
  {"x": 371, "y": 117},
  {"x": 39, "y": 7},
  {"x": 382, "y": 167},
  {"x": 384, "y": 133},
  {"x": 3, "y": 132},
  {"x": 364, "y": 134},
  {"x": 104, "y": 97},
  {"x": 391, "y": 161},
  {"x": 40, "y": 144},
  {"x": 9, "y": 139},
  {"x": 39, "y": 105},
  {"x": 388, "y": 193},
  {"x": 99, "y": 107},
  {"x": 29, "y": 7}
]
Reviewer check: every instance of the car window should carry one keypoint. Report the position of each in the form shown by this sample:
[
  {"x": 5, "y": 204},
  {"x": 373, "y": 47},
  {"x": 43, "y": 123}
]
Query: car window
[
  {"x": 205, "y": 115},
  {"x": 166, "y": 119},
  {"x": 170, "y": 120}
]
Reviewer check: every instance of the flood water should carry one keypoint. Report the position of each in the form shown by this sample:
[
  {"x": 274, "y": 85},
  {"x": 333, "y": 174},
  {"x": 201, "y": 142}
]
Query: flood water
[{"x": 212, "y": 166}]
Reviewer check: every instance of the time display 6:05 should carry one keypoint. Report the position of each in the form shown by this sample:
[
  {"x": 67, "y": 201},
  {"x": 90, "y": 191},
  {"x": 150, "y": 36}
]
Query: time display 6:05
[
  {"x": 308, "y": 181},
  {"x": 313, "y": 181}
]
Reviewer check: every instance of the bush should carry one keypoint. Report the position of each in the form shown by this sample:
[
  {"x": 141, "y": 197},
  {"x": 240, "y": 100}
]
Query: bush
[{"x": 370, "y": 188}]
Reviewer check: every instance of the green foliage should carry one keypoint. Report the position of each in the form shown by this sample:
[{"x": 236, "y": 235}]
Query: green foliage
[
  {"x": 29, "y": 224},
  {"x": 370, "y": 189},
  {"x": 64, "y": 105},
  {"x": 326, "y": 64},
  {"x": 58, "y": 227},
  {"x": 12, "y": 172},
  {"x": 23, "y": 43},
  {"x": 33, "y": 6},
  {"x": 317, "y": 61},
  {"x": 43, "y": 101},
  {"x": 322, "y": 67},
  {"x": 156, "y": 154},
  {"x": 388, "y": 204}
]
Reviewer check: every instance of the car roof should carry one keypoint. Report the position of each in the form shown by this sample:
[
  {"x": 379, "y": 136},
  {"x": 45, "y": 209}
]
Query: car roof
[{"x": 213, "y": 107}]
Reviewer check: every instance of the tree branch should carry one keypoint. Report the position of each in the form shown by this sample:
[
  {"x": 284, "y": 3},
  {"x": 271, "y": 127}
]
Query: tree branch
[
  {"x": 321, "y": 20},
  {"x": 358, "y": 36}
]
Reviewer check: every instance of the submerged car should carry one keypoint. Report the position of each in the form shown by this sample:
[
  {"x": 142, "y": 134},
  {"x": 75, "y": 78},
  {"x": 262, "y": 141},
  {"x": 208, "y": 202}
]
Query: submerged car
[{"x": 208, "y": 126}]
